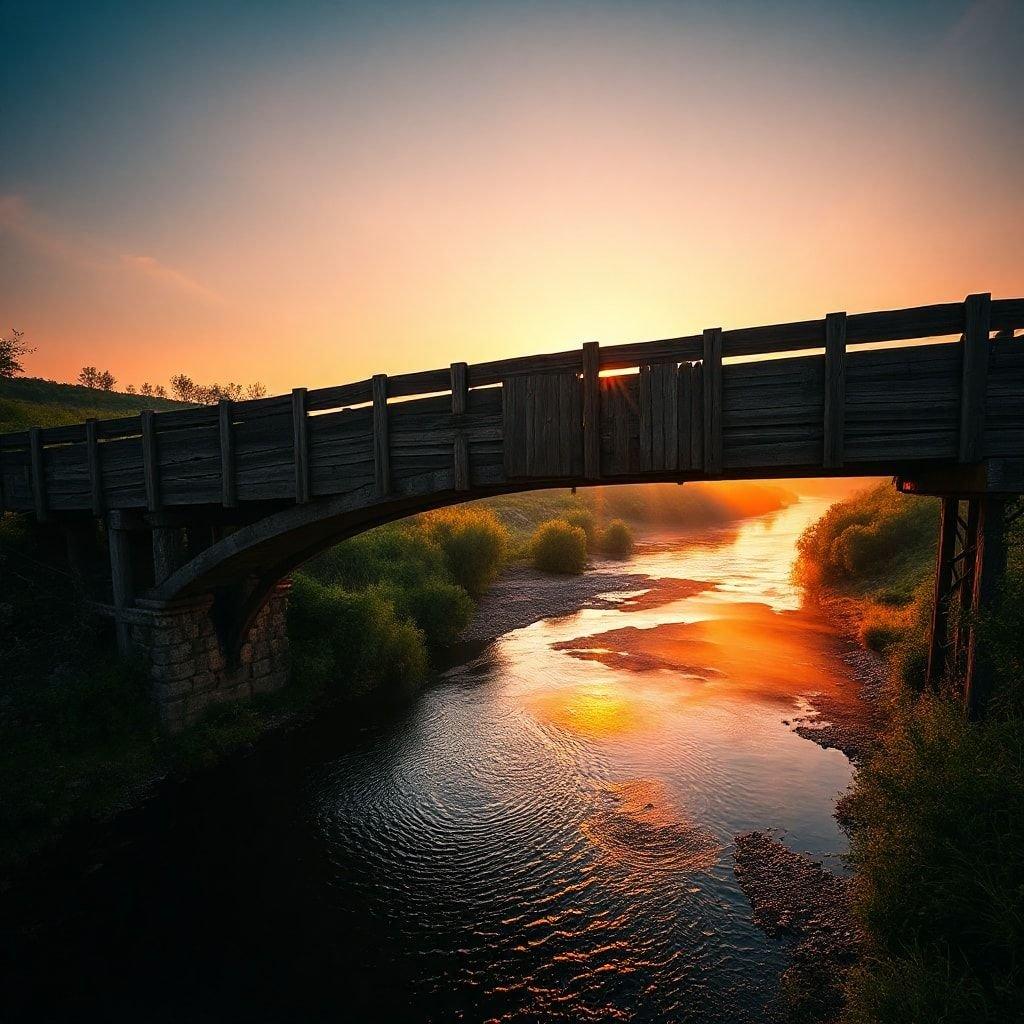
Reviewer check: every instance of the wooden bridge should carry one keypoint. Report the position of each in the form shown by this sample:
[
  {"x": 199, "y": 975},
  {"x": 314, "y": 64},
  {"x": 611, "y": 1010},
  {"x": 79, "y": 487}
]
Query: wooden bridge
[{"x": 207, "y": 509}]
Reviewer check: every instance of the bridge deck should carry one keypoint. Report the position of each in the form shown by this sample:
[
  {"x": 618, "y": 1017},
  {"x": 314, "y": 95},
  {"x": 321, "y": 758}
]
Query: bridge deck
[{"x": 688, "y": 410}]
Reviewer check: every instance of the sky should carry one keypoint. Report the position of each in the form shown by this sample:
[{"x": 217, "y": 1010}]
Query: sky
[{"x": 307, "y": 193}]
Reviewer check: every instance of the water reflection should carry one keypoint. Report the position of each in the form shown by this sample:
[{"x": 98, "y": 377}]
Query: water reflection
[{"x": 545, "y": 835}]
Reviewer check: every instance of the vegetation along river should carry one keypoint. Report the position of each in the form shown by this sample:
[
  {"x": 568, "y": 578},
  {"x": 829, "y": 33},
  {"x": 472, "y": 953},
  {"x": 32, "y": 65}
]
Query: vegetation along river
[{"x": 544, "y": 833}]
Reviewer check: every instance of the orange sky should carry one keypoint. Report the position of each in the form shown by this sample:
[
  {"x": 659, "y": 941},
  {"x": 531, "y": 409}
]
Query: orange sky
[{"x": 499, "y": 183}]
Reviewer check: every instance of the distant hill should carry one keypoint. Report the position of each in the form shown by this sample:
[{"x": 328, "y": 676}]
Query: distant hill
[{"x": 32, "y": 402}]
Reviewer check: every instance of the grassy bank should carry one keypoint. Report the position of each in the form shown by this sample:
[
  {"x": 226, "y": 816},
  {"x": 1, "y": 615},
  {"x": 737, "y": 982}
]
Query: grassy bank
[
  {"x": 937, "y": 814},
  {"x": 31, "y": 402}
]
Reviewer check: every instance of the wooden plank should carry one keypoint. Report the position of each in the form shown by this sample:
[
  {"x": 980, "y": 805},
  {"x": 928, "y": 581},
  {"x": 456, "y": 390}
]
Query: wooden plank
[
  {"x": 300, "y": 445},
  {"x": 668, "y": 374},
  {"x": 645, "y": 401},
  {"x": 835, "y": 388},
  {"x": 697, "y": 416},
  {"x": 381, "y": 449},
  {"x": 684, "y": 383},
  {"x": 35, "y": 441},
  {"x": 460, "y": 453},
  {"x": 92, "y": 454},
  {"x": 591, "y": 410},
  {"x": 974, "y": 382},
  {"x": 228, "y": 483},
  {"x": 150, "y": 461},
  {"x": 712, "y": 374}
]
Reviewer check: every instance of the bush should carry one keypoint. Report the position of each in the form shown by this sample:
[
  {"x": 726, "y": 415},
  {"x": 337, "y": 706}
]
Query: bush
[
  {"x": 559, "y": 547},
  {"x": 473, "y": 541},
  {"x": 353, "y": 637},
  {"x": 584, "y": 519},
  {"x": 617, "y": 540},
  {"x": 878, "y": 540},
  {"x": 440, "y": 608}
]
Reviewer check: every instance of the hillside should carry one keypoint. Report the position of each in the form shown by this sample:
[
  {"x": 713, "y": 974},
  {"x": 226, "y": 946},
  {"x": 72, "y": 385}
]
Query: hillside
[{"x": 32, "y": 402}]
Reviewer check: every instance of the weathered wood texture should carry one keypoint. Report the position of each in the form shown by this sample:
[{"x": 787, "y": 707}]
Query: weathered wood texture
[{"x": 673, "y": 407}]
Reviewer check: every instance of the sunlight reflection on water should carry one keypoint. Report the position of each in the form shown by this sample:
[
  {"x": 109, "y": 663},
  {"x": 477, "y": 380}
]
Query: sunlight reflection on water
[{"x": 561, "y": 813}]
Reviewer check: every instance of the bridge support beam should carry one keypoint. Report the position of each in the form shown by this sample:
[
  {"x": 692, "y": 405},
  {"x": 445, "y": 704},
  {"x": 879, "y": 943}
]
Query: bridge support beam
[{"x": 186, "y": 660}]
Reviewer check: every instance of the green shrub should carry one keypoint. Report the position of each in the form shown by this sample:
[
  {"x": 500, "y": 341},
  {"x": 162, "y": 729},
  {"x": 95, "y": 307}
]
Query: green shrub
[
  {"x": 441, "y": 609},
  {"x": 474, "y": 543},
  {"x": 873, "y": 542},
  {"x": 353, "y": 638},
  {"x": 559, "y": 547},
  {"x": 617, "y": 539},
  {"x": 584, "y": 519}
]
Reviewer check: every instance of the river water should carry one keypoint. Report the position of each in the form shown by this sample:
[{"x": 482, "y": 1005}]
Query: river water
[{"x": 544, "y": 833}]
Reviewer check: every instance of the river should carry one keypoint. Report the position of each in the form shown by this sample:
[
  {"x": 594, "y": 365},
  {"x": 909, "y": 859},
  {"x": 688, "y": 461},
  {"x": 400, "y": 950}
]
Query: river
[{"x": 543, "y": 833}]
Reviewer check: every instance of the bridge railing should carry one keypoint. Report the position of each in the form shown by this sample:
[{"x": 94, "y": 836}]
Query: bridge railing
[{"x": 552, "y": 416}]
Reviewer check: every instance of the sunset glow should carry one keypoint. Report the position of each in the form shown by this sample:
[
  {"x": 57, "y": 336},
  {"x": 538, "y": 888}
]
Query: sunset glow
[{"x": 308, "y": 198}]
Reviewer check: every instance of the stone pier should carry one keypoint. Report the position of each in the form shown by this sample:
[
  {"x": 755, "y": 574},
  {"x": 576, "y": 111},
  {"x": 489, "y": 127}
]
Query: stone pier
[{"x": 187, "y": 662}]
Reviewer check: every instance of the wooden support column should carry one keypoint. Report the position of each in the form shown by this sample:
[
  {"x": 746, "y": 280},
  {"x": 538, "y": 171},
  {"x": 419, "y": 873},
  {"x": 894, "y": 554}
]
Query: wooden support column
[
  {"x": 835, "y": 388},
  {"x": 713, "y": 401},
  {"x": 990, "y": 566},
  {"x": 122, "y": 577},
  {"x": 150, "y": 463},
  {"x": 974, "y": 381},
  {"x": 591, "y": 410},
  {"x": 35, "y": 441},
  {"x": 228, "y": 485},
  {"x": 300, "y": 439},
  {"x": 941, "y": 594},
  {"x": 381, "y": 447},
  {"x": 92, "y": 454},
  {"x": 460, "y": 444}
]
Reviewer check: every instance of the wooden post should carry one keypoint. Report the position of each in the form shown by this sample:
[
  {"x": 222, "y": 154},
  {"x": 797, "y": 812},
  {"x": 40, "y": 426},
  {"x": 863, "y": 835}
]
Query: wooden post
[
  {"x": 122, "y": 577},
  {"x": 300, "y": 439},
  {"x": 150, "y": 465},
  {"x": 35, "y": 441},
  {"x": 460, "y": 450},
  {"x": 713, "y": 401},
  {"x": 591, "y": 410},
  {"x": 228, "y": 486},
  {"x": 645, "y": 400},
  {"x": 990, "y": 566},
  {"x": 835, "y": 388},
  {"x": 381, "y": 449},
  {"x": 974, "y": 382},
  {"x": 941, "y": 592},
  {"x": 92, "y": 454}
]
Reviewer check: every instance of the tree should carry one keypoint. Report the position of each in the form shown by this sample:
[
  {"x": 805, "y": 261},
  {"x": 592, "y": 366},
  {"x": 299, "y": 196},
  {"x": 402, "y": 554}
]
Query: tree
[
  {"x": 159, "y": 391},
  {"x": 12, "y": 349},
  {"x": 256, "y": 390},
  {"x": 130, "y": 389},
  {"x": 184, "y": 387},
  {"x": 106, "y": 381},
  {"x": 89, "y": 377},
  {"x": 146, "y": 389}
]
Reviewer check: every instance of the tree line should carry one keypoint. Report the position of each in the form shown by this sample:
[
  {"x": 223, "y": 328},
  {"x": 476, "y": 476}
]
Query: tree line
[{"x": 13, "y": 348}]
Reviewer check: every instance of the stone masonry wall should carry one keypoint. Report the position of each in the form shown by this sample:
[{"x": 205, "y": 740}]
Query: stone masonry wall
[{"x": 187, "y": 665}]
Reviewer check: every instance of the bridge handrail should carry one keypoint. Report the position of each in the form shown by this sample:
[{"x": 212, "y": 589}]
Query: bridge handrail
[{"x": 942, "y": 320}]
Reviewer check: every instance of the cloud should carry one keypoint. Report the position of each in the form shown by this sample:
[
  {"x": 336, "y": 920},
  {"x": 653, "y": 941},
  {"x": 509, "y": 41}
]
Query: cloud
[{"x": 19, "y": 220}]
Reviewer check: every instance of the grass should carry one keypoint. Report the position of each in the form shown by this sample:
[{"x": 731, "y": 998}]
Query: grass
[
  {"x": 936, "y": 816},
  {"x": 32, "y": 402}
]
